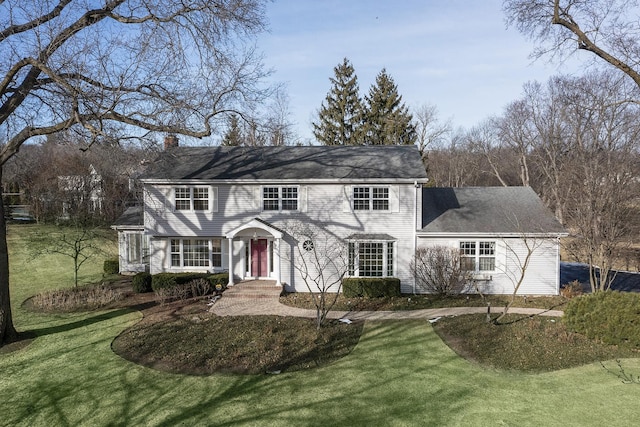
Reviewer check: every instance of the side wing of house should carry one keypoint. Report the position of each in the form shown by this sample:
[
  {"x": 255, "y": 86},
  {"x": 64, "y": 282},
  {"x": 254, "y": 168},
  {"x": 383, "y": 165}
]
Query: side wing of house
[
  {"x": 500, "y": 264},
  {"x": 505, "y": 236}
]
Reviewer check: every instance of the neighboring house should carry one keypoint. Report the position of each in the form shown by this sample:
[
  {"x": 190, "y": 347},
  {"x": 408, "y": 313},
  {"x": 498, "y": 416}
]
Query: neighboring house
[
  {"x": 81, "y": 192},
  {"x": 234, "y": 208}
]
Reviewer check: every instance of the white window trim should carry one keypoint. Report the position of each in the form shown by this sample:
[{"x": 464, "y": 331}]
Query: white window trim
[
  {"x": 385, "y": 258},
  {"x": 477, "y": 255},
  {"x": 371, "y": 198},
  {"x": 280, "y": 198},
  {"x": 183, "y": 267},
  {"x": 212, "y": 199}
]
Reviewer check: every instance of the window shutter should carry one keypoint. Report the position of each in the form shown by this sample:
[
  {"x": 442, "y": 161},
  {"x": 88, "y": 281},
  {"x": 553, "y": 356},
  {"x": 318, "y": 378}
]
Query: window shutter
[
  {"x": 214, "y": 199},
  {"x": 303, "y": 198},
  {"x": 394, "y": 198},
  {"x": 346, "y": 200},
  {"x": 257, "y": 198}
]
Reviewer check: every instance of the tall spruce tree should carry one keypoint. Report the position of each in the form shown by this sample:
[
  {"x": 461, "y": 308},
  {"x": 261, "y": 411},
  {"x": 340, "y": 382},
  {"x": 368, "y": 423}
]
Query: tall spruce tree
[
  {"x": 233, "y": 135},
  {"x": 340, "y": 116},
  {"x": 388, "y": 120}
]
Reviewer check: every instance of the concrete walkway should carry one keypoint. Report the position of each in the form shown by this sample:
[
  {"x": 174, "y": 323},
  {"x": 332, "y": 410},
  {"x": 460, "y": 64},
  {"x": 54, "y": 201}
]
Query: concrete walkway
[{"x": 262, "y": 298}]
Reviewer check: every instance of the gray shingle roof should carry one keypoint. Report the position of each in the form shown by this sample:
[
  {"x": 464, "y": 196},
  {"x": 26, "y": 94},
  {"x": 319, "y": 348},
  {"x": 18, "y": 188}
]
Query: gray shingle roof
[
  {"x": 486, "y": 210},
  {"x": 132, "y": 216},
  {"x": 292, "y": 163}
]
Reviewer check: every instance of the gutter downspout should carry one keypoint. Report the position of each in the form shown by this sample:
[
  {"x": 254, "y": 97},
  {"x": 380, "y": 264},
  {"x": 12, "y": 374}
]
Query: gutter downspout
[{"x": 415, "y": 226}]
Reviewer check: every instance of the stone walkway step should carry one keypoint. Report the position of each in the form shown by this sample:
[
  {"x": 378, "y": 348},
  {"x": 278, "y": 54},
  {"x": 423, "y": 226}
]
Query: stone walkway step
[{"x": 254, "y": 289}]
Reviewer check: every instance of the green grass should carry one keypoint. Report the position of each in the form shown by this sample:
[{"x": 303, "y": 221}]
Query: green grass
[{"x": 400, "y": 373}]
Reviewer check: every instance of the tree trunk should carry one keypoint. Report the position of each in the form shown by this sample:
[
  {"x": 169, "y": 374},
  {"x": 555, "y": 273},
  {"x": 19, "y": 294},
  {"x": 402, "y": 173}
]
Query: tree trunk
[{"x": 7, "y": 331}]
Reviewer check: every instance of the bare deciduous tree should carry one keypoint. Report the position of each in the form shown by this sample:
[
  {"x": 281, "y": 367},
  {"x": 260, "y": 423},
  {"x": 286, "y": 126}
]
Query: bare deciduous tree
[
  {"x": 131, "y": 66},
  {"x": 321, "y": 260},
  {"x": 80, "y": 242},
  {"x": 430, "y": 130},
  {"x": 606, "y": 28}
]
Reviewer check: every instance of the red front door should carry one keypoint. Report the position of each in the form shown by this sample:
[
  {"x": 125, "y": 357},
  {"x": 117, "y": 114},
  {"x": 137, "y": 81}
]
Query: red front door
[{"x": 259, "y": 266}]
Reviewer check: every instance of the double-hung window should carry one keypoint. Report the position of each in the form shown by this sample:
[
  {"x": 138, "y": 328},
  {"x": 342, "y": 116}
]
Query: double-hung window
[
  {"x": 192, "y": 198},
  {"x": 206, "y": 253},
  {"x": 478, "y": 255},
  {"x": 370, "y": 259},
  {"x": 280, "y": 198},
  {"x": 371, "y": 198}
]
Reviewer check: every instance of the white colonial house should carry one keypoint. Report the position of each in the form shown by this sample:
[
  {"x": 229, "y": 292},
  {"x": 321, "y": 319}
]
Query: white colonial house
[{"x": 239, "y": 209}]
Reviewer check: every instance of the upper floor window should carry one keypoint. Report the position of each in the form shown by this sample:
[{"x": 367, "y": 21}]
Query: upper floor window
[
  {"x": 192, "y": 198},
  {"x": 371, "y": 198},
  {"x": 280, "y": 198},
  {"x": 478, "y": 256}
]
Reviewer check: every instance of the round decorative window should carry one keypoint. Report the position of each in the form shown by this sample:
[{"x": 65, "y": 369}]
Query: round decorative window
[{"x": 307, "y": 245}]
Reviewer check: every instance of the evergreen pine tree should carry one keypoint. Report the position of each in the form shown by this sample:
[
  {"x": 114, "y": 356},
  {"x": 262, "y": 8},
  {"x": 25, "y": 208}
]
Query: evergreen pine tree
[
  {"x": 388, "y": 120},
  {"x": 340, "y": 118},
  {"x": 233, "y": 135}
]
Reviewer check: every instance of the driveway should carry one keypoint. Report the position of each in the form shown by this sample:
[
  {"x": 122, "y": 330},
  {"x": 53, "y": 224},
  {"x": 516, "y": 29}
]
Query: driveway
[{"x": 624, "y": 281}]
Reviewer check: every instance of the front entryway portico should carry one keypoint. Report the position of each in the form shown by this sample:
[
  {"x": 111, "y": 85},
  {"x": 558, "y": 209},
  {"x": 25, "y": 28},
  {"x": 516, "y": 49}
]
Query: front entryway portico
[{"x": 261, "y": 251}]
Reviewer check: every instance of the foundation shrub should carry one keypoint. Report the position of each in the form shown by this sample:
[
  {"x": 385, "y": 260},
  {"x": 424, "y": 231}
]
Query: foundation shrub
[
  {"x": 219, "y": 281},
  {"x": 141, "y": 282},
  {"x": 368, "y": 287},
  {"x": 111, "y": 266},
  {"x": 611, "y": 317},
  {"x": 172, "y": 286}
]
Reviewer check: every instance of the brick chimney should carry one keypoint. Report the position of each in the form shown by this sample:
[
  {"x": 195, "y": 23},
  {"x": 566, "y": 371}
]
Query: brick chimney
[{"x": 170, "y": 141}]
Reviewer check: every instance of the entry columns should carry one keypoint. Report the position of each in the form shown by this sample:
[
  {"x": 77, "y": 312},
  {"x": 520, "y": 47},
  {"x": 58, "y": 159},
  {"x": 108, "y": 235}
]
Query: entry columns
[{"x": 230, "y": 239}]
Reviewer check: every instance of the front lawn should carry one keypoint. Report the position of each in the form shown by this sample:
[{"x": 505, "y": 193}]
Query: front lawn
[{"x": 399, "y": 373}]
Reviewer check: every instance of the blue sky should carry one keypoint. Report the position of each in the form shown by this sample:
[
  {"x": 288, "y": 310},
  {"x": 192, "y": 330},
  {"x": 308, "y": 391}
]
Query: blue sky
[{"x": 457, "y": 55}]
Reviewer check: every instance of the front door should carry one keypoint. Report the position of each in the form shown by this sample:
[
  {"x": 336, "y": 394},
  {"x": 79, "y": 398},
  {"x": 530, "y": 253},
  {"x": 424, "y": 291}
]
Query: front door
[{"x": 259, "y": 267}]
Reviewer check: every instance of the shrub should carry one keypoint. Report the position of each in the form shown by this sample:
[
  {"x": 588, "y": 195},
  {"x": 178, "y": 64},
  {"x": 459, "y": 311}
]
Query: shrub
[
  {"x": 438, "y": 270},
  {"x": 611, "y": 317},
  {"x": 219, "y": 281},
  {"x": 200, "y": 287},
  {"x": 170, "y": 286},
  {"x": 141, "y": 283},
  {"x": 73, "y": 299},
  {"x": 571, "y": 290},
  {"x": 371, "y": 287},
  {"x": 111, "y": 266}
]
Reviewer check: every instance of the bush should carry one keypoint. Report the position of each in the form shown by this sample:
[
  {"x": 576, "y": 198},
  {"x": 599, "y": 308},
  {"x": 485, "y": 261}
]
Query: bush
[
  {"x": 73, "y": 299},
  {"x": 371, "y": 287},
  {"x": 111, "y": 266},
  {"x": 438, "y": 270},
  {"x": 141, "y": 282},
  {"x": 219, "y": 281},
  {"x": 170, "y": 286},
  {"x": 571, "y": 290},
  {"x": 611, "y": 317}
]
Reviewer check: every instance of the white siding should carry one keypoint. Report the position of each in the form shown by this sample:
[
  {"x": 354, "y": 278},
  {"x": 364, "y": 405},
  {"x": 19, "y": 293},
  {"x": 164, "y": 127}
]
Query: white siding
[
  {"x": 541, "y": 275},
  {"x": 321, "y": 204}
]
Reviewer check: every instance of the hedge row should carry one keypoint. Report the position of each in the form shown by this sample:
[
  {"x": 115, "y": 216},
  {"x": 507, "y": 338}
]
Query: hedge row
[
  {"x": 371, "y": 287},
  {"x": 612, "y": 317},
  {"x": 145, "y": 282}
]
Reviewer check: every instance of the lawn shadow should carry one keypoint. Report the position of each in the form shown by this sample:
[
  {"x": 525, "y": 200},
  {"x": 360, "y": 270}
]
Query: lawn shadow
[{"x": 66, "y": 327}]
